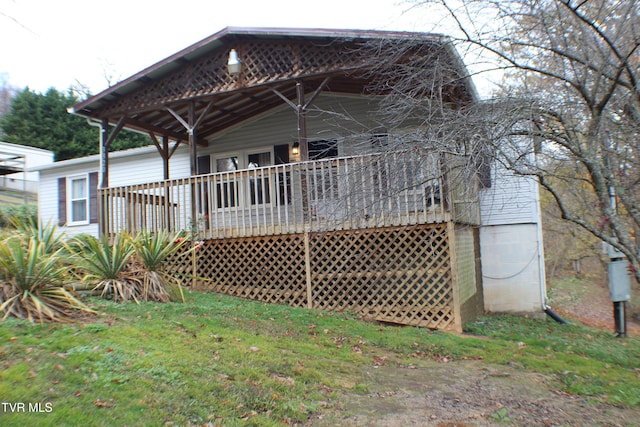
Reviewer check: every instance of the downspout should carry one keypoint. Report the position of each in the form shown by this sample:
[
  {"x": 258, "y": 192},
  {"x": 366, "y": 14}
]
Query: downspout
[
  {"x": 542, "y": 279},
  {"x": 101, "y": 167},
  {"x": 101, "y": 143}
]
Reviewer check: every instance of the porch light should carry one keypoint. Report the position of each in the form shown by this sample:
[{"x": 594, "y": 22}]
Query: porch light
[
  {"x": 295, "y": 149},
  {"x": 234, "y": 65}
]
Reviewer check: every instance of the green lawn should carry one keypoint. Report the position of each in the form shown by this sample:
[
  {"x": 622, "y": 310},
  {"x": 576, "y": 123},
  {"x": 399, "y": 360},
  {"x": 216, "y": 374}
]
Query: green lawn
[{"x": 222, "y": 360}]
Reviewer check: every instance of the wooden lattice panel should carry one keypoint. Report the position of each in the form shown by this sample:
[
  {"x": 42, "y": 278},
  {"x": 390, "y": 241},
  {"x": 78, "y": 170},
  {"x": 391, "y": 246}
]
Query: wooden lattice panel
[
  {"x": 262, "y": 62},
  {"x": 400, "y": 275},
  {"x": 181, "y": 265},
  {"x": 268, "y": 268}
]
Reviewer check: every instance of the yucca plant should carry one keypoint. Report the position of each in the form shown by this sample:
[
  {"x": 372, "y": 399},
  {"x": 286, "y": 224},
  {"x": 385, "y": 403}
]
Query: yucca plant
[
  {"x": 106, "y": 266},
  {"x": 152, "y": 250},
  {"x": 31, "y": 283},
  {"x": 47, "y": 234}
]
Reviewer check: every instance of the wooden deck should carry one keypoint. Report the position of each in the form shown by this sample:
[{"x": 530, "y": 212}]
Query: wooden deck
[{"x": 371, "y": 191}]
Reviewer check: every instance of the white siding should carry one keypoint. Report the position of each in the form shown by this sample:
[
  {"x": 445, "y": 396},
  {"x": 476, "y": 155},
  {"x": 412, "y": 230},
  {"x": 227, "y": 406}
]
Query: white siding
[
  {"x": 280, "y": 126},
  {"x": 510, "y": 200},
  {"x": 147, "y": 168},
  {"x": 48, "y": 205},
  {"x": 124, "y": 168},
  {"x": 510, "y": 244}
]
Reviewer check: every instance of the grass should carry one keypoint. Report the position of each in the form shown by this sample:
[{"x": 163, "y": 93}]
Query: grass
[{"x": 226, "y": 361}]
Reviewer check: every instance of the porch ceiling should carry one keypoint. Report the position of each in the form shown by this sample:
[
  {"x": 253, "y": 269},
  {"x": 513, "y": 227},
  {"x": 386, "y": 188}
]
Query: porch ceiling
[{"x": 272, "y": 60}]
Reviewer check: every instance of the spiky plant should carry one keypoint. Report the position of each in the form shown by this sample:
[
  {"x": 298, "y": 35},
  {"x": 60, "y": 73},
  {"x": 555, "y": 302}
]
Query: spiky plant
[
  {"x": 106, "y": 266},
  {"x": 31, "y": 283},
  {"x": 47, "y": 234},
  {"x": 152, "y": 250}
]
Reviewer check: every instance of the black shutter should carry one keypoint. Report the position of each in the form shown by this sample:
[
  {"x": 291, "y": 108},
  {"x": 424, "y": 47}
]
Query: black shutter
[
  {"x": 62, "y": 201},
  {"x": 93, "y": 198}
]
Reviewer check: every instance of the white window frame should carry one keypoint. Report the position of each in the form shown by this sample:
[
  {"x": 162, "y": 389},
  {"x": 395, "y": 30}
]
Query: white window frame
[
  {"x": 70, "y": 199},
  {"x": 243, "y": 193},
  {"x": 270, "y": 180}
]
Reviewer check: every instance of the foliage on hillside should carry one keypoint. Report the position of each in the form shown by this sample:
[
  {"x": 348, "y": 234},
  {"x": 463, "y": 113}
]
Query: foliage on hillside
[{"x": 43, "y": 121}]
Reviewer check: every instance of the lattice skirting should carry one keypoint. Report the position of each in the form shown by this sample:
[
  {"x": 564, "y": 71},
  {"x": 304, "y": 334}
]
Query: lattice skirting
[{"x": 401, "y": 274}]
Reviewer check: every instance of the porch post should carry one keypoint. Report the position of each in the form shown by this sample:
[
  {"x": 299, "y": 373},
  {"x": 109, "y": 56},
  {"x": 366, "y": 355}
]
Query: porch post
[
  {"x": 165, "y": 155},
  {"x": 302, "y": 122},
  {"x": 193, "y": 154},
  {"x": 104, "y": 153}
]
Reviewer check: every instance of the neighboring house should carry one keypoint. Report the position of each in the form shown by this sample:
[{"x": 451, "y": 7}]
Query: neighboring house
[
  {"x": 16, "y": 164},
  {"x": 268, "y": 147}
]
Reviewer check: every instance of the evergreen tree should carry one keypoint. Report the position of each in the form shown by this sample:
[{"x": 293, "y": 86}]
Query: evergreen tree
[{"x": 42, "y": 120}]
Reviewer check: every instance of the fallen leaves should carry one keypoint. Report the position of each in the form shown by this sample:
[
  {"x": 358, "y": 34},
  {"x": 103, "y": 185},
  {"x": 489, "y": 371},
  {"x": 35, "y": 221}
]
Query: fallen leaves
[
  {"x": 379, "y": 361},
  {"x": 101, "y": 404}
]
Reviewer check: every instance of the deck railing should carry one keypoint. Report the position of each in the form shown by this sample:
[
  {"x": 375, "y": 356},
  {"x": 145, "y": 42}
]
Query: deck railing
[{"x": 342, "y": 193}]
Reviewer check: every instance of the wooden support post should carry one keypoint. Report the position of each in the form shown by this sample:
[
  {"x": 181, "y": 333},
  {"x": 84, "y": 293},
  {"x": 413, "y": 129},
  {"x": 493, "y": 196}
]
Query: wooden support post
[
  {"x": 302, "y": 122},
  {"x": 193, "y": 151},
  {"x": 455, "y": 276},
  {"x": 307, "y": 267}
]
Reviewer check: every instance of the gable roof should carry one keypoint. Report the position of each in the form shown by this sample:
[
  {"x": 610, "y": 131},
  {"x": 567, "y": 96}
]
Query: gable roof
[{"x": 194, "y": 85}]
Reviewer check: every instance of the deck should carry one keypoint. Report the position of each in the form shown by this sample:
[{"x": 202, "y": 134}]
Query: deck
[{"x": 370, "y": 191}]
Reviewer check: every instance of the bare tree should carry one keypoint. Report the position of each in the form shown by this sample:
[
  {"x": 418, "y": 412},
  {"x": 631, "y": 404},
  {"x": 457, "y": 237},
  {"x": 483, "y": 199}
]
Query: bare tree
[
  {"x": 7, "y": 92},
  {"x": 570, "y": 110}
]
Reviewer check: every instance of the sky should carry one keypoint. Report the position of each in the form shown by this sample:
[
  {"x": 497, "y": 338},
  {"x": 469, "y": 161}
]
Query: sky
[{"x": 64, "y": 43}]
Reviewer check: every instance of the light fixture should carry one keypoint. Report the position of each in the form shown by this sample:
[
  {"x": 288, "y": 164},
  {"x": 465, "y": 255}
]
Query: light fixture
[
  {"x": 234, "y": 65},
  {"x": 295, "y": 150}
]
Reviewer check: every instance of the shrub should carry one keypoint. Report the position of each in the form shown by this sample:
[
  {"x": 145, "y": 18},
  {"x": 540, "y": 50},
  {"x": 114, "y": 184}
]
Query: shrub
[
  {"x": 106, "y": 266},
  {"x": 31, "y": 282},
  {"x": 152, "y": 250},
  {"x": 10, "y": 213}
]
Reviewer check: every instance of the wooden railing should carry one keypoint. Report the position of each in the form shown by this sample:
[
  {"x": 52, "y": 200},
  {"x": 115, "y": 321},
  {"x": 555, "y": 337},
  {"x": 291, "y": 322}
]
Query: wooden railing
[{"x": 334, "y": 194}]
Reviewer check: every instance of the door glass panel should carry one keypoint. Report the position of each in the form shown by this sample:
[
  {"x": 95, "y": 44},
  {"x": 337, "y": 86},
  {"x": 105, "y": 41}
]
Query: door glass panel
[
  {"x": 227, "y": 189},
  {"x": 259, "y": 189},
  {"x": 227, "y": 164}
]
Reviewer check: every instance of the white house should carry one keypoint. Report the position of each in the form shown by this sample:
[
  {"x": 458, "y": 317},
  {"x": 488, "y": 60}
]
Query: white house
[
  {"x": 16, "y": 163},
  {"x": 268, "y": 147}
]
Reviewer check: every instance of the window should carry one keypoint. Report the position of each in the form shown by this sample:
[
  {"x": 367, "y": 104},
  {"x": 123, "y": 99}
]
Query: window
[
  {"x": 322, "y": 149},
  {"x": 78, "y": 189},
  {"x": 78, "y": 199}
]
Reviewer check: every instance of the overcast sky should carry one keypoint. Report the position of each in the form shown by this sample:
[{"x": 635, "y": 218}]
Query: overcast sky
[{"x": 60, "y": 43}]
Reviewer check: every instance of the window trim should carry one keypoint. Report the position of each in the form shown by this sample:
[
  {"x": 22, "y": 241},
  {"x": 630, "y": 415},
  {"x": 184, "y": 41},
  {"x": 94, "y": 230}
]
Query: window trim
[
  {"x": 242, "y": 190},
  {"x": 70, "y": 199}
]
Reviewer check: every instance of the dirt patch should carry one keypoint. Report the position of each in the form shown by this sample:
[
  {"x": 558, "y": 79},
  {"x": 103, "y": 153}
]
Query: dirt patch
[
  {"x": 473, "y": 393},
  {"x": 590, "y": 304},
  {"x": 466, "y": 393}
]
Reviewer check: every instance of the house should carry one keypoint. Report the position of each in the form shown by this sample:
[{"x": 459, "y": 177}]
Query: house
[
  {"x": 16, "y": 177},
  {"x": 270, "y": 148}
]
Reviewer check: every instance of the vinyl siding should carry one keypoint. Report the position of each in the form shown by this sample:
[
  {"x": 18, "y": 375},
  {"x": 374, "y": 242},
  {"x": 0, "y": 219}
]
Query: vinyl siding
[
  {"x": 280, "y": 126},
  {"x": 134, "y": 169},
  {"x": 510, "y": 200}
]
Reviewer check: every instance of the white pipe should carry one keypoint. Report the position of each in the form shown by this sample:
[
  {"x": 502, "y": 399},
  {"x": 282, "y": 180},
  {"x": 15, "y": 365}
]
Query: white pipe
[
  {"x": 541, "y": 268},
  {"x": 101, "y": 144}
]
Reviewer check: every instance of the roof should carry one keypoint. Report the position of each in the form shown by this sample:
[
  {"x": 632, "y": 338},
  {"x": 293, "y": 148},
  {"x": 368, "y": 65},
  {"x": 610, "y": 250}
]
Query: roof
[
  {"x": 13, "y": 157},
  {"x": 95, "y": 158},
  {"x": 194, "y": 82}
]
